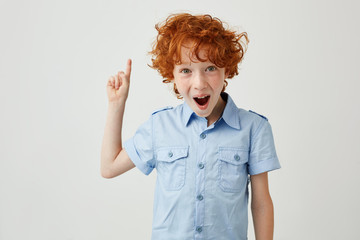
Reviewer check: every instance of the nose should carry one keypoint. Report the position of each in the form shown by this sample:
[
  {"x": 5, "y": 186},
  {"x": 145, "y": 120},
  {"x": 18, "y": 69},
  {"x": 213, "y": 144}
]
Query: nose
[{"x": 199, "y": 81}]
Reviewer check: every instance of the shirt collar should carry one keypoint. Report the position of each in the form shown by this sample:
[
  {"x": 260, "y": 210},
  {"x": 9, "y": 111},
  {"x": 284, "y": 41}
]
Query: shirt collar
[
  {"x": 187, "y": 113},
  {"x": 230, "y": 115}
]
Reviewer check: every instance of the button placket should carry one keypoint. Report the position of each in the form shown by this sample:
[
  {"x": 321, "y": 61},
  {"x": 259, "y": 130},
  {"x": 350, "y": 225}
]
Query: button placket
[{"x": 200, "y": 185}]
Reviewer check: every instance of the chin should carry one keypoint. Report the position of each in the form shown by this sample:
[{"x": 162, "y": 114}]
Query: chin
[{"x": 204, "y": 115}]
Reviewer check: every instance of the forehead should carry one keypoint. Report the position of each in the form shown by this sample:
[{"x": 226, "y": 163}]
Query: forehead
[{"x": 189, "y": 53}]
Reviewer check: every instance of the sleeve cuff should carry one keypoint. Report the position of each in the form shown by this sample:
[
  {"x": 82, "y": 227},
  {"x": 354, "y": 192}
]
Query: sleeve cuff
[
  {"x": 132, "y": 153},
  {"x": 264, "y": 166}
]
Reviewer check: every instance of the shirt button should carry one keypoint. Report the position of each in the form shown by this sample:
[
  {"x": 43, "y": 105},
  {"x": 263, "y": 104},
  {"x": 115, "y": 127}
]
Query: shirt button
[
  {"x": 199, "y": 229},
  {"x": 237, "y": 157},
  {"x": 200, "y": 197},
  {"x": 203, "y": 135},
  {"x": 170, "y": 154},
  {"x": 201, "y": 165}
]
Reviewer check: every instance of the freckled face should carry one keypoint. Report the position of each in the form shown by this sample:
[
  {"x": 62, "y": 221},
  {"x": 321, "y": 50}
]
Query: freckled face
[{"x": 200, "y": 84}]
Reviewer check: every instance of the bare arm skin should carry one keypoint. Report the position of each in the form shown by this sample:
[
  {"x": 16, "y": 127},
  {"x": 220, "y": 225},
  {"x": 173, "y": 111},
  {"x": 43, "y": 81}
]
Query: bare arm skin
[
  {"x": 114, "y": 159},
  {"x": 262, "y": 207}
]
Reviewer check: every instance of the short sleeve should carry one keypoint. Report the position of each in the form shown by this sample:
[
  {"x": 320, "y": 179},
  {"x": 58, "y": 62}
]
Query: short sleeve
[
  {"x": 262, "y": 157},
  {"x": 140, "y": 148}
]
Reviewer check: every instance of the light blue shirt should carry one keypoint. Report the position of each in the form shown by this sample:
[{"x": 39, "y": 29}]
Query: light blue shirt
[{"x": 203, "y": 172}]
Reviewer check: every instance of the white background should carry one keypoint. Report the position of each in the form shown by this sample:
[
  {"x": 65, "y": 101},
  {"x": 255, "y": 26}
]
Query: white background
[{"x": 301, "y": 71}]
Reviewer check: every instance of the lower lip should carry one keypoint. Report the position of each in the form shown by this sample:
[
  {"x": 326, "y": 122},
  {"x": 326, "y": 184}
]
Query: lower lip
[{"x": 203, "y": 107}]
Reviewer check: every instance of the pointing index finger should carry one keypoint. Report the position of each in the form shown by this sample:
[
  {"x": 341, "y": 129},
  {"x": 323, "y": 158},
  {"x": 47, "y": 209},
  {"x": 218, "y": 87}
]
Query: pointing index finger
[{"x": 128, "y": 68}]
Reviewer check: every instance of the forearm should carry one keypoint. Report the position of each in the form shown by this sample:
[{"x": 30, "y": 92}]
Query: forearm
[
  {"x": 263, "y": 218},
  {"x": 112, "y": 140}
]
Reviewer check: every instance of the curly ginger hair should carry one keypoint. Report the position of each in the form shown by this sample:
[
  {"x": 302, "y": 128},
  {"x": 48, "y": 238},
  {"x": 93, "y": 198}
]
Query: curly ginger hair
[{"x": 224, "y": 47}]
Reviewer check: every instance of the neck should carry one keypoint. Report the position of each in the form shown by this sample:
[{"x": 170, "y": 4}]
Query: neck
[{"x": 217, "y": 111}]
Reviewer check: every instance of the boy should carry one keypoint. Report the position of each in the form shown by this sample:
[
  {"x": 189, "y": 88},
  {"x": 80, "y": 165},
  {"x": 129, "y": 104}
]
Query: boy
[{"x": 204, "y": 149}]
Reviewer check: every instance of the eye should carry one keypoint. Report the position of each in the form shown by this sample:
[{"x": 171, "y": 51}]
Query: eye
[
  {"x": 185, "y": 70},
  {"x": 211, "y": 68}
]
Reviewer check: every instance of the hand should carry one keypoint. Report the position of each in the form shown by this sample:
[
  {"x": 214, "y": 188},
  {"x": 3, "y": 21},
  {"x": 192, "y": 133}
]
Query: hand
[{"x": 118, "y": 85}]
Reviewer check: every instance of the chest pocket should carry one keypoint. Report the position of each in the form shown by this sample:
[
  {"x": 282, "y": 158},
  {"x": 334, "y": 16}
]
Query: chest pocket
[
  {"x": 171, "y": 164},
  {"x": 232, "y": 175}
]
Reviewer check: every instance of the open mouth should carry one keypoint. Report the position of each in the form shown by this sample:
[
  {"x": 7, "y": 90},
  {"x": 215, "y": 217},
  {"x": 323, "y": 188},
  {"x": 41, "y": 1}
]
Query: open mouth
[{"x": 202, "y": 100}]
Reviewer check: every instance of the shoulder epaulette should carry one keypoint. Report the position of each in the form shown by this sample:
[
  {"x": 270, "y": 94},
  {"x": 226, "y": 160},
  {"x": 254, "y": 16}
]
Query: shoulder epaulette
[
  {"x": 259, "y": 115},
  {"x": 161, "y": 109}
]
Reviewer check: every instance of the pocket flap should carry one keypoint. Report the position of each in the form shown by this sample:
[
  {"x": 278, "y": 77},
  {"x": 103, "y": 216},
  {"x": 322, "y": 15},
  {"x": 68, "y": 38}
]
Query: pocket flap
[
  {"x": 234, "y": 156},
  {"x": 171, "y": 154}
]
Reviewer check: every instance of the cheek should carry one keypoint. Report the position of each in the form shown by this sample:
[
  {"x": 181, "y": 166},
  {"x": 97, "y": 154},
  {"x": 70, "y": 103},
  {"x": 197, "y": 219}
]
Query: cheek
[
  {"x": 180, "y": 86},
  {"x": 217, "y": 84}
]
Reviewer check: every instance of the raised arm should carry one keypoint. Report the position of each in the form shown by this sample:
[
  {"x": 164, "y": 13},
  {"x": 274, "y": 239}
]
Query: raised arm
[{"x": 114, "y": 159}]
